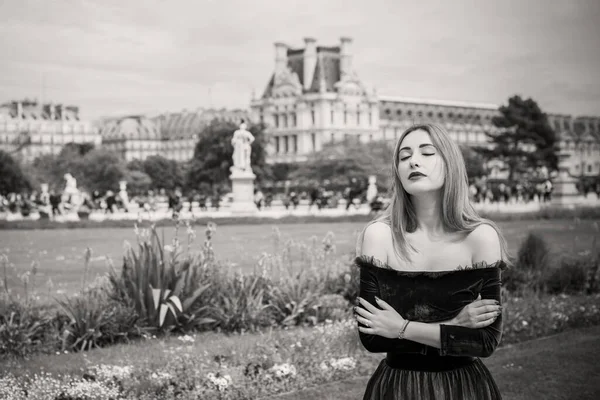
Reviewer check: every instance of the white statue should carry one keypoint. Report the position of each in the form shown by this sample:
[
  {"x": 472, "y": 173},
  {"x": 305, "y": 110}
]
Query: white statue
[
  {"x": 372, "y": 189},
  {"x": 71, "y": 185},
  {"x": 71, "y": 197},
  {"x": 123, "y": 194},
  {"x": 242, "y": 148}
]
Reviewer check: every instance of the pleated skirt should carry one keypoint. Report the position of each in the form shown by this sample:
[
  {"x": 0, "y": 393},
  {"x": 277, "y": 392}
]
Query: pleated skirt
[{"x": 442, "y": 379}]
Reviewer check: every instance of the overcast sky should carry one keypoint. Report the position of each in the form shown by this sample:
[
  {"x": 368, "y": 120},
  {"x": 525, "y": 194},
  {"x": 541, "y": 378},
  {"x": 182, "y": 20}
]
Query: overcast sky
[{"x": 113, "y": 57}]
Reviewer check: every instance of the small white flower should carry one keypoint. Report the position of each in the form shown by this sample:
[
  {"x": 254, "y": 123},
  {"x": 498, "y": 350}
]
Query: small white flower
[
  {"x": 525, "y": 323},
  {"x": 169, "y": 248}
]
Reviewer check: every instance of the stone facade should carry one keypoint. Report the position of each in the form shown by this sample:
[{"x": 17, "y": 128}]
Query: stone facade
[
  {"x": 29, "y": 129},
  {"x": 171, "y": 135},
  {"x": 314, "y": 97}
]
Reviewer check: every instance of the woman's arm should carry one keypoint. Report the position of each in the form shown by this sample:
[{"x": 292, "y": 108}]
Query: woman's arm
[
  {"x": 376, "y": 237},
  {"x": 458, "y": 340}
]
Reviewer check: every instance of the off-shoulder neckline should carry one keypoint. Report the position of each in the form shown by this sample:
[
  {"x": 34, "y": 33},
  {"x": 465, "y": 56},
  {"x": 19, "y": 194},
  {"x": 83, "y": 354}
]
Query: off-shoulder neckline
[{"x": 371, "y": 261}]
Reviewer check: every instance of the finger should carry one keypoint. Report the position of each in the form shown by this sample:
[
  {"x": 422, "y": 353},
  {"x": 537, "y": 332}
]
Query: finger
[
  {"x": 362, "y": 312},
  {"x": 364, "y": 321},
  {"x": 478, "y": 297},
  {"x": 369, "y": 331},
  {"x": 489, "y": 315},
  {"x": 371, "y": 308},
  {"x": 383, "y": 304},
  {"x": 483, "y": 303},
  {"x": 485, "y": 323}
]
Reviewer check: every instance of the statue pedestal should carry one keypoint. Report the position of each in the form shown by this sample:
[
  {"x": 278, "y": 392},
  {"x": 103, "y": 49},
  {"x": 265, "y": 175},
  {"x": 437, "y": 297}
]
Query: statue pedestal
[
  {"x": 242, "y": 187},
  {"x": 565, "y": 191}
]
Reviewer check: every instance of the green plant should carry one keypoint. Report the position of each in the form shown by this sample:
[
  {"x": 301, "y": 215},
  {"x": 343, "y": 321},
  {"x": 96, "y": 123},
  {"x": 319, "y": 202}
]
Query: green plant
[
  {"x": 22, "y": 328},
  {"x": 530, "y": 266},
  {"x": 154, "y": 283},
  {"x": 241, "y": 304},
  {"x": 88, "y": 315}
]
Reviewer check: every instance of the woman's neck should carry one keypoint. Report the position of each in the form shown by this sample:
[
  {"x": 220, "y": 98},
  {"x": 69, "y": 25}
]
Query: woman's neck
[{"x": 428, "y": 211}]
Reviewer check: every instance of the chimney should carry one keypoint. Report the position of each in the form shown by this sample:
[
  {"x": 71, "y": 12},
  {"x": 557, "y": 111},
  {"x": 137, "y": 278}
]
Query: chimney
[
  {"x": 280, "y": 57},
  {"x": 345, "y": 56},
  {"x": 52, "y": 111},
  {"x": 310, "y": 61}
]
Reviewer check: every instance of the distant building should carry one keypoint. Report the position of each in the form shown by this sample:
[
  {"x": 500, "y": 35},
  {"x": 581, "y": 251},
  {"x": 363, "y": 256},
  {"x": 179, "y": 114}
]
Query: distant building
[
  {"x": 580, "y": 138},
  {"x": 314, "y": 97},
  {"x": 171, "y": 135},
  {"x": 29, "y": 129}
]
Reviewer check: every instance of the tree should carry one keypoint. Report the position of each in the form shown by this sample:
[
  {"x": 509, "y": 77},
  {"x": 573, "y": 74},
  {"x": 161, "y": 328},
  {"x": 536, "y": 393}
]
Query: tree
[
  {"x": 12, "y": 178},
  {"x": 137, "y": 181},
  {"x": 165, "y": 174},
  {"x": 340, "y": 162},
  {"x": 474, "y": 162},
  {"x": 79, "y": 148},
  {"x": 100, "y": 170},
  {"x": 213, "y": 154},
  {"x": 525, "y": 140}
]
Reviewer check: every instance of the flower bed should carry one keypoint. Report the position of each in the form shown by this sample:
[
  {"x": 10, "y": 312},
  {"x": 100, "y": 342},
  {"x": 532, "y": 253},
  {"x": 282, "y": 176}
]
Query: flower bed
[{"x": 285, "y": 330}]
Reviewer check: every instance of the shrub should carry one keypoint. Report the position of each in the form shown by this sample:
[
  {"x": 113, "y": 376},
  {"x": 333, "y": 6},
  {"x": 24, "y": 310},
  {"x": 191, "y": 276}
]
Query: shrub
[
  {"x": 530, "y": 266},
  {"x": 162, "y": 289},
  {"x": 22, "y": 328},
  {"x": 576, "y": 274}
]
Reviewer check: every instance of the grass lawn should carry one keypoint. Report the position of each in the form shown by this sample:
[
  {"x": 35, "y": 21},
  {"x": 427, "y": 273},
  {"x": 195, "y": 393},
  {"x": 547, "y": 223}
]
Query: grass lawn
[
  {"x": 559, "y": 367},
  {"x": 59, "y": 252}
]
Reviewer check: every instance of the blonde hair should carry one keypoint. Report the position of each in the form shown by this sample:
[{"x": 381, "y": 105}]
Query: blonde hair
[{"x": 458, "y": 214}]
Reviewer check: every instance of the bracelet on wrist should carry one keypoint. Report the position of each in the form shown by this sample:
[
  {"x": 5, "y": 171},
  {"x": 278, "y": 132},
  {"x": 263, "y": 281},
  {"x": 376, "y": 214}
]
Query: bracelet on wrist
[{"x": 403, "y": 330}]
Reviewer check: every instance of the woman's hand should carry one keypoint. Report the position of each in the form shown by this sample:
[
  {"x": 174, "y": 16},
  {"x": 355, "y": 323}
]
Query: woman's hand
[
  {"x": 384, "y": 321},
  {"x": 478, "y": 314}
]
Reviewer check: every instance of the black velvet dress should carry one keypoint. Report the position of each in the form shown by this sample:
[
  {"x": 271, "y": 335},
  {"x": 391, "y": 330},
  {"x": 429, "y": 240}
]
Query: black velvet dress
[{"x": 416, "y": 371}]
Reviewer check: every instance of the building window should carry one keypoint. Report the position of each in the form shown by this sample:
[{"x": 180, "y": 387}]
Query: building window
[
  {"x": 370, "y": 118},
  {"x": 276, "y": 116},
  {"x": 285, "y": 120},
  {"x": 286, "y": 144},
  {"x": 277, "y": 149},
  {"x": 589, "y": 167},
  {"x": 345, "y": 115},
  {"x": 294, "y": 120},
  {"x": 313, "y": 138},
  {"x": 331, "y": 116},
  {"x": 332, "y": 137},
  {"x": 370, "y": 137},
  {"x": 409, "y": 113},
  {"x": 312, "y": 115},
  {"x": 357, "y": 117},
  {"x": 295, "y": 138}
]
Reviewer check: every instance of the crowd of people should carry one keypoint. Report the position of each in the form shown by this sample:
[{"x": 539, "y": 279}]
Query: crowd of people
[{"x": 320, "y": 196}]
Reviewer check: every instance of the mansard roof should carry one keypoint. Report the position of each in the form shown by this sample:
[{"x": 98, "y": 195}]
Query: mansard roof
[{"x": 327, "y": 68}]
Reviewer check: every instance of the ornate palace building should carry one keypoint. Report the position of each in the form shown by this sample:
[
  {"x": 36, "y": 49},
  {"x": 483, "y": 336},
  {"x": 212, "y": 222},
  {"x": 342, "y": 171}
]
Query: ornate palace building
[
  {"x": 171, "y": 135},
  {"x": 315, "y": 97},
  {"x": 29, "y": 129}
]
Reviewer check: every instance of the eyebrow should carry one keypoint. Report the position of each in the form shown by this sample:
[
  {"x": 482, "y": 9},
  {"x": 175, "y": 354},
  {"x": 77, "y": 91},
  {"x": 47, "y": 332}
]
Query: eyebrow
[{"x": 420, "y": 146}]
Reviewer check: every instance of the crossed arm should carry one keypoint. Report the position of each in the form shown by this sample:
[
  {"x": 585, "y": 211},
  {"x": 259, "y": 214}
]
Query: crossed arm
[{"x": 380, "y": 326}]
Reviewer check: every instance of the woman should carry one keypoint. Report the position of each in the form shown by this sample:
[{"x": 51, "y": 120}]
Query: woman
[{"x": 430, "y": 279}]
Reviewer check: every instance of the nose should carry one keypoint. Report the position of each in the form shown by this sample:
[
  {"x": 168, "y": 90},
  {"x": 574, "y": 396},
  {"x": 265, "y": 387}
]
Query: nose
[{"x": 414, "y": 162}]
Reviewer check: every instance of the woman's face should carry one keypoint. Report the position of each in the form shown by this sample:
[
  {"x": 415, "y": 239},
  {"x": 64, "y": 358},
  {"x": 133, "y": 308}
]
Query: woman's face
[{"x": 420, "y": 165}]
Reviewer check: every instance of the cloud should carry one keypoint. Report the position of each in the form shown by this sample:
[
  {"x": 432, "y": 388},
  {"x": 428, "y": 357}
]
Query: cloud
[{"x": 162, "y": 54}]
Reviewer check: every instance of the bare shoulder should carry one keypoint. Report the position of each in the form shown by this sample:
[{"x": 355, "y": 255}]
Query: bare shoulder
[
  {"x": 376, "y": 241},
  {"x": 484, "y": 243},
  {"x": 378, "y": 230}
]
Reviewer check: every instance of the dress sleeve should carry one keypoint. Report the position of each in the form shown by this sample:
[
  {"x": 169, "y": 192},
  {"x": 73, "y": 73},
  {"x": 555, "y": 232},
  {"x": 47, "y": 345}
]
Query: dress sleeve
[
  {"x": 369, "y": 288},
  {"x": 475, "y": 342}
]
